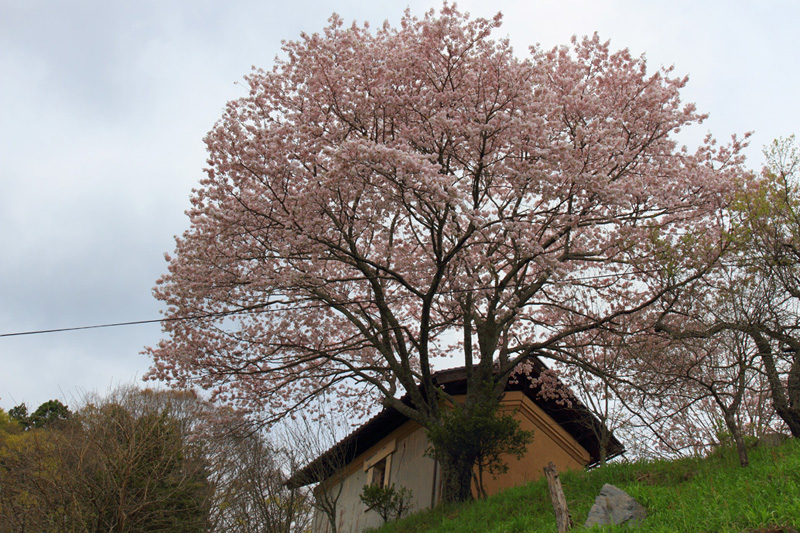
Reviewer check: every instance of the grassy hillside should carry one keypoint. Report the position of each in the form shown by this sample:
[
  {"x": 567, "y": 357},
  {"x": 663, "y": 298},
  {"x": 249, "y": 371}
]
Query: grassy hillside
[{"x": 712, "y": 495}]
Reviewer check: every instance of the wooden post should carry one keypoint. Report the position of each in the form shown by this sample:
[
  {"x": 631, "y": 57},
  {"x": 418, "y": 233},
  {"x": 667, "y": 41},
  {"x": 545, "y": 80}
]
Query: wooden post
[{"x": 563, "y": 520}]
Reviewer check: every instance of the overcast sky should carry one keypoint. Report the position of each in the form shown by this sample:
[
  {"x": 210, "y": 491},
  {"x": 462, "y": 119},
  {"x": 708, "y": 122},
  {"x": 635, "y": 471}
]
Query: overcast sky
[{"x": 103, "y": 107}]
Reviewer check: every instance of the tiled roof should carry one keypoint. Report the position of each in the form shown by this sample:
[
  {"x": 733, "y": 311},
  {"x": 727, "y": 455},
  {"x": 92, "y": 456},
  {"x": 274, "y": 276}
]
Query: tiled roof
[{"x": 576, "y": 420}]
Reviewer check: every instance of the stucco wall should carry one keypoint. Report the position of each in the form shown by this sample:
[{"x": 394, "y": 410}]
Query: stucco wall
[
  {"x": 410, "y": 467},
  {"x": 550, "y": 443}
]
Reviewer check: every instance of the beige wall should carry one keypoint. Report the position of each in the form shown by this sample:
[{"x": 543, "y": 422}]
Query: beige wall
[{"x": 410, "y": 467}]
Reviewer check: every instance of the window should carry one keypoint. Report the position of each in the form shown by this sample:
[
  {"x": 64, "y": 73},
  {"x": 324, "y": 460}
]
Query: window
[
  {"x": 379, "y": 474},
  {"x": 379, "y": 465}
]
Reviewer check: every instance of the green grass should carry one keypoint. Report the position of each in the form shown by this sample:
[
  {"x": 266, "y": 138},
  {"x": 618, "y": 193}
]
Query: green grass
[{"x": 712, "y": 495}]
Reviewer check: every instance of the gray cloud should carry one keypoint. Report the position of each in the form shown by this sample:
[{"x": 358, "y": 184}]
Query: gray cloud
[{"x": 103, "y": 107}]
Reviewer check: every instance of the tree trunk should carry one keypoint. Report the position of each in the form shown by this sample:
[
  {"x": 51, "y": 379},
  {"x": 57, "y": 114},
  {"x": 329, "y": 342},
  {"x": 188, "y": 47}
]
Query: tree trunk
[
  {"x": 605, "y": 441},
  {"x": 456, "y": 480},
  {"x": 736, "y": 434},
  {"x": 458, "y": 456},
  {"x": 786, "y": 410},
  {"x": 328, "y": 507}
]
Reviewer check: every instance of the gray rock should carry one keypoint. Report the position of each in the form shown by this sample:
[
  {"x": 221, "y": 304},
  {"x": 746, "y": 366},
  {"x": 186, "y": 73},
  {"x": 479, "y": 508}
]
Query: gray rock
[{"x": 614, "y": 507}]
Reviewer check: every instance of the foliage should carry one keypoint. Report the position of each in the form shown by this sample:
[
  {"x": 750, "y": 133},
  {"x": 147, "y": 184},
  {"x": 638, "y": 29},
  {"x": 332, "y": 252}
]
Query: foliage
[
  {"x": 481, "y": 438},
  {"x": 723, "y": 346},
  {"x": 769, "y": 218},
  {"x": 49, "y": 413},
  {"x": 145, "y": 460},
  {"x": 136, "y": 471},
  {"x": 389, "y": 502},
  {"x": 116, "y": 465},
  {"x": 379, "y": 193},
  {"x": 19, "y": 413},
  {"x": 691, "y": 494},
  {"x": 8, "y": 425},
  {"x": 750, "y": 297}
]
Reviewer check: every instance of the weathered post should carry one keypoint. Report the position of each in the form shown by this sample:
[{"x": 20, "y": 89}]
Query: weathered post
[{"x": 563, "y": 520}]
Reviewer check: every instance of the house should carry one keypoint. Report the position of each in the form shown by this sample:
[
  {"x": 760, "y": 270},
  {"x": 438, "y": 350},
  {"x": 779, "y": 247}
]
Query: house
[{"x": 390, "y": 449}]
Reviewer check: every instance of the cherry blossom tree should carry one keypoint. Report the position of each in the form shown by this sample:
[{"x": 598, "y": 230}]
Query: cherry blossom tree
[
  {"x": 721, "y": 369},
  {"x": 603, "y": 380},
  {"x": 770, "y": 310},
  {"x": 754, "y": 291},
  {"x": 380, "y": 194}
]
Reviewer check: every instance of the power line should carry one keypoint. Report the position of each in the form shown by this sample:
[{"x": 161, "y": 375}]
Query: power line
[
  {"x": 262, "y": 309},
  {"x": 97, "y": 326},
  {"x": 119, "y": 324},
  {"x": 168, "y": 319}
]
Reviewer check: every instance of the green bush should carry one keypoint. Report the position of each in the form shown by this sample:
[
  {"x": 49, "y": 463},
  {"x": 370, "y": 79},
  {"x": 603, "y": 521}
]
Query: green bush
[
  {"x": 389, "y": 502},
  {"x": 481, "y": 437}
]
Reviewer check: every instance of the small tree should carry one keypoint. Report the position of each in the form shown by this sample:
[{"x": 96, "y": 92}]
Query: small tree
[
  {"x": 601, "y": 384},
  {"x": 50, "y": 413},
  {"x": 251, "y": 492},
  {"x": 721, "y": 368},
  {"x": 313, "y": 453},
  {"x": 480, "y": 438},
  {"x": 132, "y": 468},
  {"x": 19, "y": 413},
  {"x": 389, "y": 502},
  {"x": 755, "y": 291}
]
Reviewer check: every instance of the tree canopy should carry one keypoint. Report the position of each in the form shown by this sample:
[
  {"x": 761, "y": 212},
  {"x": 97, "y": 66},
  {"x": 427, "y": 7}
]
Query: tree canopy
[
  {"x": 145, "y": 460},
  {"x": 752, "y": 295},
  {"x": 122, "y": 463}
]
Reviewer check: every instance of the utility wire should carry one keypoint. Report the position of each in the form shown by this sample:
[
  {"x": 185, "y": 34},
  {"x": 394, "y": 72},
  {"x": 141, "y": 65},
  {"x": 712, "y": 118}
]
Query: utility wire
[
  {"x": 97, "y": 326},
  {"x": 114, "y": 325},
  {"x": 260, "y": 310}
]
